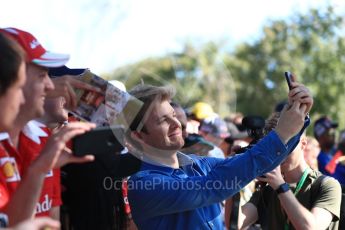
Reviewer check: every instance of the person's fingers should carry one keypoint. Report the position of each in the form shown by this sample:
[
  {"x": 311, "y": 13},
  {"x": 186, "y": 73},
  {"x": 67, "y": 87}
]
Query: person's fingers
[
  {"x": 263, "y": 179},
  {"x": 69, "y": 134},
  {"x": 303, "y": 109},
  {"x": 293, "y": 77},
  {"x": 80, "y": 160},
  {"x": 309, "y": 103},
  {"x": 72, "y": 130},
  {"x": 67, "y": 158},
  {"x": 300, "y": 95},
  {"x": 307, "y": 100},
  {"x": 303, "y": 92},
  {"x": 65, "y": 93},
  {"x": 72, "y": 96},
  {"x": 290, "y": 102},
  {"x": 82, "y": 125},
  {"x": 68, "y": 150},
  {"x": 295, "y": 84},
  {"x": 297, "y": 90},
  {"x": 296, "y": 105},
  {"x": 60, "y": 84},
  {"x": 83, "y": 85},
  {"x": 44, "y": 222},
  {"x": 64, "y": 87}
]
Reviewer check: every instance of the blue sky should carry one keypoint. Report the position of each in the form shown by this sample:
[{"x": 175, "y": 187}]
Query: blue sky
[{"x": 105, "y": 34}]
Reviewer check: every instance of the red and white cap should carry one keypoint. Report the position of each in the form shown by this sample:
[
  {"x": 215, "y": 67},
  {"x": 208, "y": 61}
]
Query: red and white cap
[{"x": 35, "y": 53}]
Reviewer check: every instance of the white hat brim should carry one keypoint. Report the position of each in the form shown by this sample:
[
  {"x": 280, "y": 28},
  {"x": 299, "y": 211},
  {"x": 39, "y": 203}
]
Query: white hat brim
[{"x": 49, "y": 60}]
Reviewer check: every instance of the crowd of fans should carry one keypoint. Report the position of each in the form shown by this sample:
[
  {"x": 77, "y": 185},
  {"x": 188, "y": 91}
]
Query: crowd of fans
[{"x": 192, "y": 169}]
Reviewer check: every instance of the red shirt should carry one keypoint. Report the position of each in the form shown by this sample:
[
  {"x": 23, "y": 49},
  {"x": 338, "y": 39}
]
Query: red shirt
[
  {"x": 31, "y": 142},
  {"x": 10, "y": 174},
  {"x": 4, "y": 194}
]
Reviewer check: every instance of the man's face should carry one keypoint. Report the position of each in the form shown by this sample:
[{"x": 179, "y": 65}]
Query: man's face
[
  {"x": 10, "y": 102},
  {"x": 37, "y": 86},
  {"x": 295, "y": 158},
  {"x": 163, "y": 129},
  {"x": 311, "y": 152}
]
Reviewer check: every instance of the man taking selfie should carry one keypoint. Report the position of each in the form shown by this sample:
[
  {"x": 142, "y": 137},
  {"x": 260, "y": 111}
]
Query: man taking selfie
[{"x": 175, "y": 191}]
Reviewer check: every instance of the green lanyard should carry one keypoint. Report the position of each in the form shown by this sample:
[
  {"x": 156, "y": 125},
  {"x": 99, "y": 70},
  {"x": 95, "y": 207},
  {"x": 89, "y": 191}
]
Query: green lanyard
[{"x": 298, "y": 188}]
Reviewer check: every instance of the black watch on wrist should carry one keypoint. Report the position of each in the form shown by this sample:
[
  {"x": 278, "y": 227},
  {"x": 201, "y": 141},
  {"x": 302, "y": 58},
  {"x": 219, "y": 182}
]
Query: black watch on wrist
[{"x": 283, "y": 188}]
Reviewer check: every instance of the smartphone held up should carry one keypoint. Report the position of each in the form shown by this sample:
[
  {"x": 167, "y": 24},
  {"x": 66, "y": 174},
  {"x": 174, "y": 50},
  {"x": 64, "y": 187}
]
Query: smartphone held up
[
  {"x": 289, "y": 78},
  {"x": 101, "y": 140}
]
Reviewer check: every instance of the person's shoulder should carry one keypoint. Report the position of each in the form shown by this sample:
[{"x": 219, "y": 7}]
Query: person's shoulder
[
  {"x": 330, "y": 182},
  {"x": 200, "y": 160},
  {"x": 327, "y": 194},
  {"x": 326, "y": 182}
]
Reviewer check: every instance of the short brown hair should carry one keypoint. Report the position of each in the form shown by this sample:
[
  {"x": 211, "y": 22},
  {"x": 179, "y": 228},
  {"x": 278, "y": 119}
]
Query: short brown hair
[{"x": 11, "y": 57}]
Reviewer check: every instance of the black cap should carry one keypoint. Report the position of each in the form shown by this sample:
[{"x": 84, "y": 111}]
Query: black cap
[{"x": 64, "y": 70}]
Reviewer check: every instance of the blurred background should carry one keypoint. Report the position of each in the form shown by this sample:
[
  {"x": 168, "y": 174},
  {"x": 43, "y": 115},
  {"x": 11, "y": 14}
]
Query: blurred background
[{"x": 230, "y": 54}]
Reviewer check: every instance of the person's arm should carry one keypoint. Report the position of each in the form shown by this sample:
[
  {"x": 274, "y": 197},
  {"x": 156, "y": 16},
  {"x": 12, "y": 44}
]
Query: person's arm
[
  {"x": 29, "y": 189},
  {"x": 25, "y": 197},
  {"x": 302, "y": 218},
  {"x": 327, "y": 205},
  {"x": 298, "y": 215},
  {"x": 156, "y": 193},
  {"x": 37, "y": 224},
  {"x": 247, "y": 215},
  {"x": 213, "y": 162},
  {"x": 54, "y": 213}
]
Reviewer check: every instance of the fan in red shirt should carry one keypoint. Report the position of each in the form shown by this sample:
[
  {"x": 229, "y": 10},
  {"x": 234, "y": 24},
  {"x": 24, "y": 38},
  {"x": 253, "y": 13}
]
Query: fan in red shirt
[
  {"x": 31, "y": 142},
  {"x": 12, "y": 72},
  {"x": 37, "y": 86}
]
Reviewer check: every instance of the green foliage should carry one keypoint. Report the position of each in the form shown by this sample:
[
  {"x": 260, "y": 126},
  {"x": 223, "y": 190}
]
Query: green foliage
[
  {"x": 309, "y": 46},
  {"x": 197, "y": 76},
  {"x": 251, "y": 79}
]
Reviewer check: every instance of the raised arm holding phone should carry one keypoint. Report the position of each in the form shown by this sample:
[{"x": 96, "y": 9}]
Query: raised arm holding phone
[{"x": 296, "y": 196}]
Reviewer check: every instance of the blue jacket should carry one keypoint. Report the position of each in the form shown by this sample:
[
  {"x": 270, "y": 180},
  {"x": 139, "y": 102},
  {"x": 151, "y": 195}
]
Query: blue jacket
[{"x": 188, "y": 198}]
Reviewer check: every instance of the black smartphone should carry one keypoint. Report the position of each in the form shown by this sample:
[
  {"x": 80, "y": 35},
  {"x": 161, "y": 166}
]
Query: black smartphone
[
  {"x": 100, "y": 140},
  {"x": 288, "y": 77}
]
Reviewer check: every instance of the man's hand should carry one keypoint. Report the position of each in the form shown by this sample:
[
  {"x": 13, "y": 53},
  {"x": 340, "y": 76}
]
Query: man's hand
[
  {"x": 64, "y": 87},
  {"x": 54, "y": 154},
  {"x": 302, "y": 94},
  {"x": 38, "y": 224},
  {"x": 291, "y": 121},
  {"x": 273, "y": 178},
  {"x": 292, "y": 117}
]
